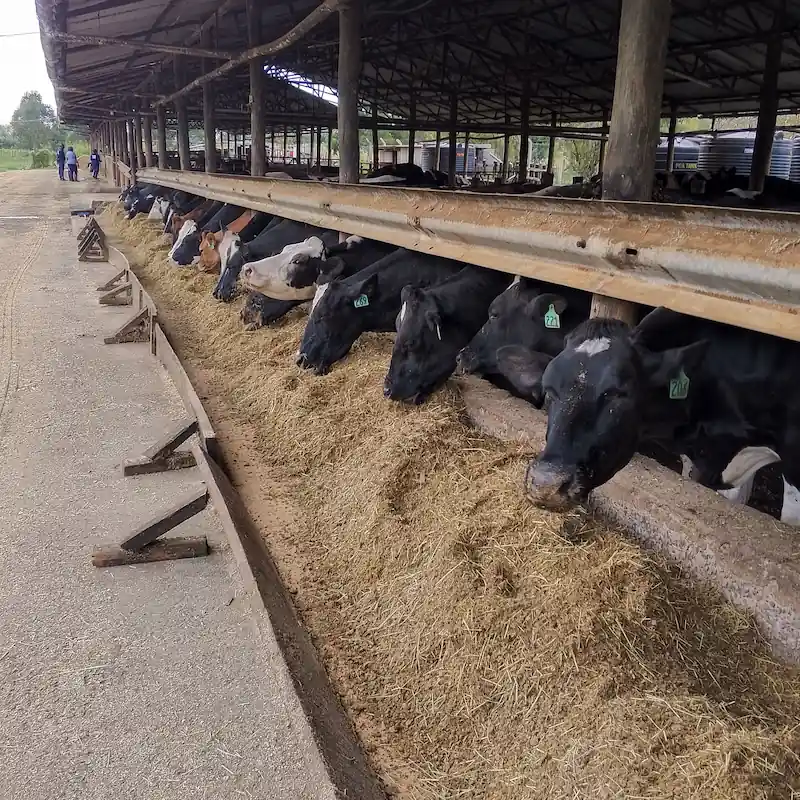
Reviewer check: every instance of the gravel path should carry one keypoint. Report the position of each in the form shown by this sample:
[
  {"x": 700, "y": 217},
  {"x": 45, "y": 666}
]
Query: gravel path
[{"x": 139, "y": 682}]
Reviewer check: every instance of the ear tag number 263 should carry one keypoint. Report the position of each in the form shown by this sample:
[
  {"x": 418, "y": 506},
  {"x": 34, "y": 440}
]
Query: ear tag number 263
[
  {"x": 362, "y": 301},
  {"x": 679, "y": 387},
  {"x": 551, "y": 318}
]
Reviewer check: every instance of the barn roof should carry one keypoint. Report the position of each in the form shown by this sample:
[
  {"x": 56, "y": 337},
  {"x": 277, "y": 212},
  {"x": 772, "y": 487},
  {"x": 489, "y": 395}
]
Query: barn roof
[{"x": 482, "y": 51}]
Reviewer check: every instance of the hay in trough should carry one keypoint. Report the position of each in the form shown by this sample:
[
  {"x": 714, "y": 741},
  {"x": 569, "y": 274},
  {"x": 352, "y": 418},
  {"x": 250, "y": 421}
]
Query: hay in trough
[{"x": 479, "y": 653}]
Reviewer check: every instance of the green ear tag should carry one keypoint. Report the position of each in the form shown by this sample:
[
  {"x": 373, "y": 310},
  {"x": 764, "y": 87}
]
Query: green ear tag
[
  {"x": 551, "y": 318},
  {"x": 679, "y": 387},
  {"x": 362, "y": 301}
]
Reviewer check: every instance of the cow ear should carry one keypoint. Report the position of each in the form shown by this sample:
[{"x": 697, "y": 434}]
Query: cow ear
[
  {"x": 433, "y": 319},
  {"x": 409, "y": 294},
  {"x": 540, "y": 305},
  {"x": 668, "y": 365},
  {"x": 368, "y": 287},
  {"x": 523, "y": 368},
  {"x": 300, "y": 258}
]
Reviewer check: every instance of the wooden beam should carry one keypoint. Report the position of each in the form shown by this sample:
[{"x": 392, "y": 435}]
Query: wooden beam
[
  {"x": 603, "y": 143},
  {"x": 209, "y": 119},
  {"x": 551, "y": 146},
  {"x": 147, "y": 126},
  {"x": 137, "y": 132},
  {"x": 164, "y": 454},
  {"x": 258, "y": 154},
  {"x": 349, "y": 79},
  {"x": 183, "y": 118},
  {"x": 412, "y": 127},
  {"x": 375, "y": 142},
  {"x": 166, "y": 550},
  {"x": 165, "y": 521}
]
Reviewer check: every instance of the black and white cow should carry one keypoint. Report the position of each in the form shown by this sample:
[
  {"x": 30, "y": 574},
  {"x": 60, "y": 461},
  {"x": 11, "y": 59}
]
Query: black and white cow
[
  {"x": 279, "y": 233},
  {"x": 345, "y": 308},
  {"x": 187, "y": 248},
  {"x": 433, "y": 326},
  {"x": 527, "y": 323},
  {"x": 724, "y": 398}
]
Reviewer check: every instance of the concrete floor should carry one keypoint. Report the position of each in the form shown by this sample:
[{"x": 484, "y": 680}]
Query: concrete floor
[{"x": 135, "y": 682}]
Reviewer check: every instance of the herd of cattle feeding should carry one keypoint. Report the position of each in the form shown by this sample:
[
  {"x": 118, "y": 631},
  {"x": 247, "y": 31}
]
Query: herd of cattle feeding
[{"x": 714, "y": 402}]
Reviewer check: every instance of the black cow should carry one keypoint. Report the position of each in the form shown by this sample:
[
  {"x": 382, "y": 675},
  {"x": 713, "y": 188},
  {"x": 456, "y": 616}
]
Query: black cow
[
  {"x": 256, "y": 225},
  {"x": 527, "y": 324},
  {"x": 189, "y": 248},
  {"x": 434, "y": 324},
  {"x": 725, "y": 398},
  {"x": 345, "y": 308},
  {"x": 270, "y": 241}
]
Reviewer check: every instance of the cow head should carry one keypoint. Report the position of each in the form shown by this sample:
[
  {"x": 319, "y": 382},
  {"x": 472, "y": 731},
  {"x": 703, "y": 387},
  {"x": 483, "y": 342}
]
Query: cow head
[
  {"x": 520, "y": 320},
  {"x": 187, "y": 246},
  {"x": 336, "y": 321},
  {"x": 271, "y": 275},
  {"x": 210, "y": 251},
  {"x": 602, "y": 393},
  {"x": 225, "y": 290},
  {"x": 424, "y": 353}
]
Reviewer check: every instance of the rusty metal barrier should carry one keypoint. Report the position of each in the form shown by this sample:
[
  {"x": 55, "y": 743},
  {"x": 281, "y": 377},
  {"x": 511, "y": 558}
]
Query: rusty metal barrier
[{"x": 733, "y": 266}]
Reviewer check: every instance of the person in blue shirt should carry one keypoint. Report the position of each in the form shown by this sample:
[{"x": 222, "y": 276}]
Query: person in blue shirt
[
  {"x": 72, "y": 164},
  {"x": 94, "y": 163},
  {"x": 61, "y": 159}
]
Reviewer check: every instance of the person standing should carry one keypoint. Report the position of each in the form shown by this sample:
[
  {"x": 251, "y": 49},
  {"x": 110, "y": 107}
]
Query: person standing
[
  {"x": 94, "y": 163},
  {"x": 61, "y": 158},
  {"x": 72, "y": 164}
]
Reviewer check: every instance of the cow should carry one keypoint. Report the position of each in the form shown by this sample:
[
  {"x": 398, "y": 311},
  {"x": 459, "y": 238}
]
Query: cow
[
  {"x": 345, "y": 308},
  {"x": 270, "y": 241},
  {"x": 211, "y": 241},
  {"x": 200, "y": 214},
  {"x": 405, "y": 175},
  {"x": 158, "y": 213},
  {"x": 722, "y": 397},
  {"x": 530, "y": 316},
  {"x": 189, "y": 249},
  {"x": 434, "y": 324},
  {"x": 270, "y": 275}
]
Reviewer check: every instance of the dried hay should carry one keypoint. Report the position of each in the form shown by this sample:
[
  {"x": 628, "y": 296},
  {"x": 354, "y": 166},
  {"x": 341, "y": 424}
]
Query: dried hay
[{"x": 478, "y": 653}]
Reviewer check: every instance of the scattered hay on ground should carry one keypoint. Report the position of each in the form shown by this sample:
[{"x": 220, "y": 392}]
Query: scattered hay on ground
[{"x": 478, "y": 653}]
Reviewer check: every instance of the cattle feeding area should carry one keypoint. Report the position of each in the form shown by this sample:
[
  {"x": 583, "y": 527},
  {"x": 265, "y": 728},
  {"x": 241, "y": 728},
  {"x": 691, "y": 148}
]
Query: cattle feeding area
[{"x": 480, "y": 646}]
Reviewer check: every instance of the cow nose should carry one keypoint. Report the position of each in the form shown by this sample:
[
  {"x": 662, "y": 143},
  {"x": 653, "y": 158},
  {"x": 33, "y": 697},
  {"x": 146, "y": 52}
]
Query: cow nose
[
  {"x": 300, "y": 360},
  {"x": 387, "y": 390},
  {"x": 550, "y": 486}
]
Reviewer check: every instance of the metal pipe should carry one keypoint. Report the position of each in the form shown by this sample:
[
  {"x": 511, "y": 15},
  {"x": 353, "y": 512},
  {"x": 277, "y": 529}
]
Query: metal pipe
[
  {"x": 161, "y": 136},
  {"x": 673, "y": 125},
  {"x": 452, "y": 150},
  {"x": 525, "y": 130},
  {"x": 317, "y": 16}
]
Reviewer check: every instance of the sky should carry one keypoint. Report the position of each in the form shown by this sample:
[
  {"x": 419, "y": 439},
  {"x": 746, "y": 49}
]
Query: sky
[{"x": 22, "y": 65}]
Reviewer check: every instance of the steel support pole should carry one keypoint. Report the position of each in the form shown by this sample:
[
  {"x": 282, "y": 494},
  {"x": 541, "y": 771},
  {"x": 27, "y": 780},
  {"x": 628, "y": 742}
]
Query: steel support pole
[
  {"x": 452, "y": 151},
  {"x": 161, "y": 136},
  {"x": 319, "y": 146},
  {"x": 673, "y": 125},
  {"x": 183, "y": 118},
  {"x": 525, "y": 130},
  {"x": 209, "y": 114},
  {"x": 375, "y": 143},
  {"x": 551, "y": 145},
  {"x": 349, "y": 80},
  {"x": 412, "y": 129}
]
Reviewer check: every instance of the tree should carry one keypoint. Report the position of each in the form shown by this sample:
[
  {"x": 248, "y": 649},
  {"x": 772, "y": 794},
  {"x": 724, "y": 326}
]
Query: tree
[
  {"x": 6, "y": 138},
  {"x": 33, "y": 124}
]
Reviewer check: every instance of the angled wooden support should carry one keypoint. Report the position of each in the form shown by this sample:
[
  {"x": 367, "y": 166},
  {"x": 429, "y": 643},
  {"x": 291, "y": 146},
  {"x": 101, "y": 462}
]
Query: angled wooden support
[
  {"x": 110, "y": 284},
  {"x": 166, "y": 550},
  {"x": 91, "y": 226},
  {"x": 119, "y": 296},
  {"x": 93, "y": 246},
  {"x": 164, "y": 455},
  {"x": 136, "y": 329},
  {"x": 165, "y": 521}
]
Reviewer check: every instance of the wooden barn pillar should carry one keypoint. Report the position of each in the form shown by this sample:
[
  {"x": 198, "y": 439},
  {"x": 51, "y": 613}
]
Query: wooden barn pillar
[
  {"x": 673, "y": 126},
  {"x": 603, "y": 142},
  {"x": 113, "y": 135},
  {"x": 551, "y": 145},
  {"x": 412, "y": 128},
  {"x": 147, "y": 127},
  {"x": 506, "y": 144},
  {"x": 209, "y": 111},
  {"x": 272, "y": 143},
  {"x": 635, "y": 117},
  {"x": 311, "y": 138},
  {"x": 285, "y": 142},
  {"x": 182, "y": 115},
  {"x": 466, "y": 153},
  {"x": 349, "y": 79},
  {"x": 452, "y": 151},
  {"x": 769, "y": 99},
  {"x": 525, "y": 130},
  {"x": 161, "y": 136},
  {"x": 132, "y": 148},
  {"x": 258, "y": 146},
  {"x": 137, "y": 132}
]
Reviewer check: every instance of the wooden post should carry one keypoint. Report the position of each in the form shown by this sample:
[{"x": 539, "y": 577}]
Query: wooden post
[
  {"x": 412, "y": 130},
  {"x": 603, "y": 143},
  {"x": 375, "y": 143},
  {"x": 114, "y": 152},
  {"x": 132, "y": 154},
  {"x": 182, "y": 115},
  {"x": 285, "y": 142},
  {"x": 452, "y": 151},
  {"x": 551, "y": 147},
  {"x": 137, "y": 132},
  {"x": 673, "y": 125},
  {"x": 525, "y": 128},
  {"x": 161, "y": 136},
  {"x": 635, "y": 117},
  {"x": 349, "y": 79},
  {"x": 768, "y": 103},
  {"x": 319, "y": 146},
  {"x": 209, "y": 112},
  {"x": 330, "y": 144},
  {"x": 258, "y": 150},
  {"x": 272, "y": 143}
]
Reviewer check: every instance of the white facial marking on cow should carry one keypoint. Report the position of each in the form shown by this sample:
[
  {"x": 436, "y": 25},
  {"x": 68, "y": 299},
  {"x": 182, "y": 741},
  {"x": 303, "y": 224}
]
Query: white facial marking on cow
[
  {"x": 352, "y": 241},
  {"x": 403, "y": 309},
  {"x": 746, "y": 463},
  {"x": 188, "y": 227},
  {"x": 686, "y": 469},
  {"x": 790, "y": 512},
  {"x": 438, "y": 332},
  {"x": 744, "y": 194},
  {"x": 318, "y": 295},
  {"x": 591, "y": 347},
  {"x": 270, "y": 276},
  {"x": 517, "y": 279},
  {"x": 739, "y": 495},
  {"x": 231, "y": 244}
]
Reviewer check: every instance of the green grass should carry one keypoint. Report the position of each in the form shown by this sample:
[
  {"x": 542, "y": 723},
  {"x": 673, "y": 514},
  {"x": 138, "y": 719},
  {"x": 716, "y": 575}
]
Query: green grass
[{"x": 14, "y": 159}]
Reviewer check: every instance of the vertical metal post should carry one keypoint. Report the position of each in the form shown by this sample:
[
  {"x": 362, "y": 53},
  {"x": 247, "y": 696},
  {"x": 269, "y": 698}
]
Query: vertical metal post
[
  {"x": 330, "y": 144},
  {"x": 161, "y": 137},
  {"x": 466, "y": 153},
  {"x": 258, "y": 150},
  {"x": 349, "y": 79},
  {"x": 506, "y": 144},
  {"x": 452, "y": 151},
  {"x": 272, "y": 143},
  {"x": 525, "y": 129},
  {"x": 375, "y": 143},
  {"x": 769, "y": 99},
  {"x": 673, "y": 125},
  {"x": 412, "y": 129},
  {"x": 551, "y": 146},
  {"x": 438, "y": 147},
  {"x": 603, "y": 142},
  {"x": 299, "y": 142},
  {"x": 285, "y": 142},
  {"x": 635, "y": 117}
]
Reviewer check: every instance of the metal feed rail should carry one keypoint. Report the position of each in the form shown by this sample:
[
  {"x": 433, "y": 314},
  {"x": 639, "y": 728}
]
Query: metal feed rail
[{"x": 732, "y": 266}]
